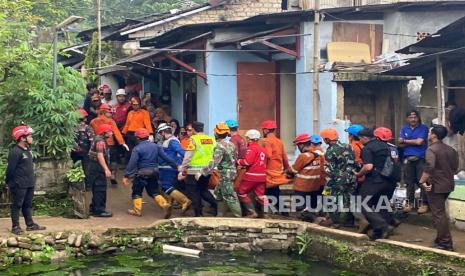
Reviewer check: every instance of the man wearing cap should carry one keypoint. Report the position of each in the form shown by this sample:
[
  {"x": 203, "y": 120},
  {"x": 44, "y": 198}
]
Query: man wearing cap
[
  {"x": 339, "y": 167},
  {"x": 137, "y": 118},
  {"x": 198, "y": 155},
  {"x": 121, "y": 108},
  {"x": 277, "y": 163},
  {"x": 375, "y": 185}
]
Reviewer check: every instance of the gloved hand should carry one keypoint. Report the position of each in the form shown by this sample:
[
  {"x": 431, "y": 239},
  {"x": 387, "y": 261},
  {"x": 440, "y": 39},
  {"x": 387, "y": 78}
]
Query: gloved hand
[
  {"x": 181, "y": 176},
  {"x": 151, "y": 139},
  {"x": 126, "y": 147},
  {"x": 125, "y": 181},
  {"x": 326, "y": 191},
  {"x": 318, "y": 152},
  {"x": 197, "y": 176}
]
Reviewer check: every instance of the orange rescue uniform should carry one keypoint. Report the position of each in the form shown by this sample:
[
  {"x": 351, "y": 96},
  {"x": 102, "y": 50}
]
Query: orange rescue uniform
[
  {"x": 309, "y": 170},
  {"x": 102, "y": 119},
  {"x": 138, "y": 119},
  {"x": 357, "y": 147},
  {"x": 277, "y": 161}
]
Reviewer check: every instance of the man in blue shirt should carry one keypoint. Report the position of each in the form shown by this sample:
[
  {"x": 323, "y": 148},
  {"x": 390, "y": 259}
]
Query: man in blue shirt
[
  {"x": 414, "y": 141},
  {"x": 144, "y": 166}
]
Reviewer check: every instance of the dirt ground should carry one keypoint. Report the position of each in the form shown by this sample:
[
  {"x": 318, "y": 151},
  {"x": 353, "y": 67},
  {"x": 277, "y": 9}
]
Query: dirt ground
[{"x": 119, "y": 200}]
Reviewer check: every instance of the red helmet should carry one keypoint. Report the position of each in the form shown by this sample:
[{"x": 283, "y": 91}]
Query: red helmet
[
  {"x": 142, "y": 133},
  {"x": 302, "y": 138},
  {"x": 104, "y": 128},
  {"x": 105, "y": 107},
  {"x": 21, "y": 131},
  {"x": 269, "y": 124},
  {"x": 83, "y": 112},
  {"x": 383, "y": 134}
]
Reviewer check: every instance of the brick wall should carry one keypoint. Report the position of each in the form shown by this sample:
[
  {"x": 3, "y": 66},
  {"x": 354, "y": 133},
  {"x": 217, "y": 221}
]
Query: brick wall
[{"x": 233, "y": 11}]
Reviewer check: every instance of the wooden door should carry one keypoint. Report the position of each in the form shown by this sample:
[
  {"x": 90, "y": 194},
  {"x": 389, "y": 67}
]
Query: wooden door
[{"x": 256, "y": 94}]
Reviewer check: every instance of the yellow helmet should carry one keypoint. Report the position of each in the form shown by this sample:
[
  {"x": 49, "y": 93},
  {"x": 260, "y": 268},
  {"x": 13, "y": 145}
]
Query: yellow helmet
[{"x": 221, "y": 128}]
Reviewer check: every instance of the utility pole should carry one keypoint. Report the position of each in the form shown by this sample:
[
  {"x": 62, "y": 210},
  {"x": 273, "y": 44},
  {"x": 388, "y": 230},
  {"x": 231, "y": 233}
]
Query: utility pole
[
  {"x": 99, "y": 34},
  {"x": 316, "y": 69}
]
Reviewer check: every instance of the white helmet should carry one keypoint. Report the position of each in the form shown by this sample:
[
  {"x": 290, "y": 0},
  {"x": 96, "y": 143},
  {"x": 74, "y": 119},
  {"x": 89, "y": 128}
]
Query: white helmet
[
  {"x": 121, "y": 91},
  {"x": 253, "y": 134},
  {"x": 163, "y": 126}
]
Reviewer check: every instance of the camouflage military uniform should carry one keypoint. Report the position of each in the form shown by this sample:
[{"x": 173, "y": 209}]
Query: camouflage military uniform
[
  {"x": 224, "y": 160},
  {"x": 341, "y": 181}
]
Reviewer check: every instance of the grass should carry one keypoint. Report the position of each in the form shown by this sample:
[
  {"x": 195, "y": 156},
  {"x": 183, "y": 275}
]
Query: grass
[{"x": 56, "y": 205}]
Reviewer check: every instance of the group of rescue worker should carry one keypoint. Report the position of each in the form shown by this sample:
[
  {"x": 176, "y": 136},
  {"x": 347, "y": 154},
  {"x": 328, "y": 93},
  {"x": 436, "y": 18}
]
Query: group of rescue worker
[{"x": 245, "y": 172}]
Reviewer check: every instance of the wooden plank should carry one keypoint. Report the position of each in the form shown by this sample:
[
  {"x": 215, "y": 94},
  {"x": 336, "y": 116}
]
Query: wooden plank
[{"x": 280, "y": 48}]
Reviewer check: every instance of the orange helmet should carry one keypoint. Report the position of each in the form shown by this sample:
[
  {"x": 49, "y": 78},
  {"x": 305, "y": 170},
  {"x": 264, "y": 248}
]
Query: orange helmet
[
  {"x": 383, "y": 134},
  {"x": 104, "y": 128},
  {"x": 221, "y": 128},
  {"x": 330, "y": 134},
  {"x": 142, "y": 133}
]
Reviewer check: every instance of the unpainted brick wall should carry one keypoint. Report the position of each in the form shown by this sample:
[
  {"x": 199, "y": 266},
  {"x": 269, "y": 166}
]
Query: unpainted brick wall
[{"x": 235, "y": 10}]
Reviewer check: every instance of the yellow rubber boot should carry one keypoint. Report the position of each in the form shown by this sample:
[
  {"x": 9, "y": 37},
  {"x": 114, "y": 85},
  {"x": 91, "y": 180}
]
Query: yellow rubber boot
[
  {"x": 137, "y": 207},
  {"x": 182, "y": 199},
  {"x": 164, "y": 204}
]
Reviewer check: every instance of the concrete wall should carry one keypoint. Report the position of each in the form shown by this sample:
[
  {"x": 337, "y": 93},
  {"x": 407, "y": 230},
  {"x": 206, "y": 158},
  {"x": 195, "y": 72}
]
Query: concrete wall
[
  {"x": 304, "y": 84},
  {"x": 217, "y": 101},
  {"x": 50, "y": 176},
  {"x": 287, "y": 104},
  {"x": 401, "y": 28}
]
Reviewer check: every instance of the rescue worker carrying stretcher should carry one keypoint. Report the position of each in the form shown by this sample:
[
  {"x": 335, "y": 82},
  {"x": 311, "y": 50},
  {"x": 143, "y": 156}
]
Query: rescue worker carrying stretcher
[
  {"x": 224, "y": 160},
  {"x": 143, "y": 165},
  {"x": 168, "y": 175},
  {"x": 254, "y": 179}
]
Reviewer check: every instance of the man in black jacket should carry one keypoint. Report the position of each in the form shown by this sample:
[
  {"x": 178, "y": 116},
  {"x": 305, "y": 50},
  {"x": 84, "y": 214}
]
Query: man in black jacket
[{"x": 20, "y": 179}]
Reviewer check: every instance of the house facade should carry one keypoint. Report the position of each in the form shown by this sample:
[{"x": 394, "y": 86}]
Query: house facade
[{"x": 253, "y": 60}]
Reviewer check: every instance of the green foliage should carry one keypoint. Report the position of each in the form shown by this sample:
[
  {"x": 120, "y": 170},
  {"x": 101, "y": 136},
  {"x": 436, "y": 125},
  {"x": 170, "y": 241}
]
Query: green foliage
[
  {"x": 27, "y": 96},
  {"x": 59, "y": 205},
  {"x": 91, "y": 59},
  {"x": 3, "y": 165},
  {"x": 302, "y": 243},
  {"x": 76, "y": 174},
  {"x": 26, "y": 87}
]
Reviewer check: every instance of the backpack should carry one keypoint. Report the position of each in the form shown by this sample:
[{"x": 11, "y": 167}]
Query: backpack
[{"x": 391, "y": 170}]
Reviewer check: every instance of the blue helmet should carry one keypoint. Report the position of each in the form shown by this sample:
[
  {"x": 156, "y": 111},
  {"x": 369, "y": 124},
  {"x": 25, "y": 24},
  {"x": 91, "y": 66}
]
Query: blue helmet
[
  {"x": 232, "y": 123},
  {"x": 315, "y": 139},
  {"x": 354, "y": 129}
]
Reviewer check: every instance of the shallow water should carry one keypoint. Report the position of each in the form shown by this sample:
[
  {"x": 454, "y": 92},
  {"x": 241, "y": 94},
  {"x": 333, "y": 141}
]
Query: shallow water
[{"x": 213, "y": 263}]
